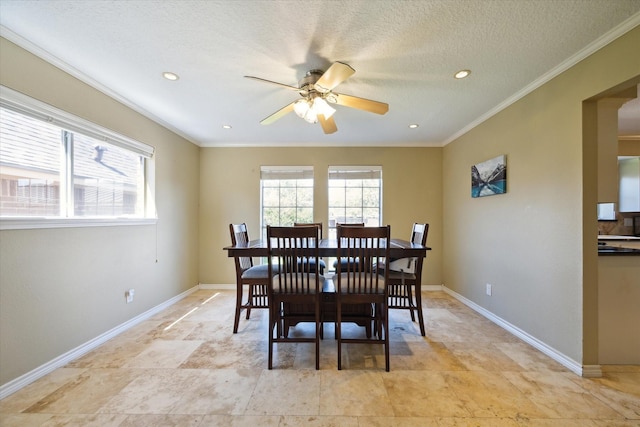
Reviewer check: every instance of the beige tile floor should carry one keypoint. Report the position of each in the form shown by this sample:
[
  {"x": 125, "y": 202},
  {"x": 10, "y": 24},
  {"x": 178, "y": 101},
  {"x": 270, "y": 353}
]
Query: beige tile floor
[{"x": 177, "y": 370}]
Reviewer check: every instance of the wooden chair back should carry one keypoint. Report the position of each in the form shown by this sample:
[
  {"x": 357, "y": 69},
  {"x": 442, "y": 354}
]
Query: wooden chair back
[
  {"x": 370, "y": 246},
  {"x": 240, "y": 236},
  {"x": 306, "y": 224},
  {"x": 287, "y": 245}
]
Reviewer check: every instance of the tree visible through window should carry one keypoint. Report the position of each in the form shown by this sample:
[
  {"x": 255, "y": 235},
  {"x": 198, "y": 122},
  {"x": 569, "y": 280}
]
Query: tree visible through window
[
  {"x": 286, "y": 195},
  {"x": 355, "y": 196}
]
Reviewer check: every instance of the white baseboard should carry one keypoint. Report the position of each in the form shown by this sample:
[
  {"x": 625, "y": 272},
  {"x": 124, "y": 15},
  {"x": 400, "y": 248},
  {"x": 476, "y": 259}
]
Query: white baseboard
[
  {"x": 588, "y": 371},
  {"x": 26, "y": 379}
]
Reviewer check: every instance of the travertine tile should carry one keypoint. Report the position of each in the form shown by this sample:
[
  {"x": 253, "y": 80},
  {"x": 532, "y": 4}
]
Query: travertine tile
[
  {"x": 528, "y": 357},
  {"x": 23, "y": 420},
  {"x": 241, "y": 421},
  {"x": 185, "y": 367},
  {"x": 558, "y": 396},
  {"x": 422, "y": 394},
  {"x": 154, "y": 391},
  {"x": 37, "y": 390},
  {"x": 286, "y": 392},
  {"x": 353, "y": 393},
  {"x": 489, "y": 394},
  {"x": 86, "y": 392},
  {"x": 478, "y": 422},
  {"x": 163, "y": 354},
  {"x": 482, "y": 357},
  {"x": 318, "y": 421}
]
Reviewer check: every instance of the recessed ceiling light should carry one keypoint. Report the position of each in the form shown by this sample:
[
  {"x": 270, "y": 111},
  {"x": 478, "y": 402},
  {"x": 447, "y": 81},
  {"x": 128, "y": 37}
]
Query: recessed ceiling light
[
  {"x": 170, "y": 76},
  {"x": 413, "y": 126},
  {"x": 226, "y": 126},
  {"x": 462, "y": 74}
]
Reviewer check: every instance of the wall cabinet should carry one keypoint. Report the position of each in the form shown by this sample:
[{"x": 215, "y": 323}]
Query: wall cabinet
[{"x": 629, "y": 189}]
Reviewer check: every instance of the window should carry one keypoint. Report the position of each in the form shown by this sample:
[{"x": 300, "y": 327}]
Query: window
[
  {"x": 286, "y": 194},
  {"x": 57, "y": 166},
  {"x": 355, "y": 195}
]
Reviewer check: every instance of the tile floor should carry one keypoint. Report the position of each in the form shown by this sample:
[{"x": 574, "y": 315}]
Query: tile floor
[{"x": 184, "y": 367}]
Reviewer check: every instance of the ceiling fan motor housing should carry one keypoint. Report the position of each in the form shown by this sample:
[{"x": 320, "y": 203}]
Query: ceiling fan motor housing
[{"x": 307, "y": 83}]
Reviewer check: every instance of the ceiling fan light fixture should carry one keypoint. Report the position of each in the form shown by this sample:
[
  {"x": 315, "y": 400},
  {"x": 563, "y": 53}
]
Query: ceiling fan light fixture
[
  {"x": 303, "y": 109},
  {"x": 320, "y": 106}
]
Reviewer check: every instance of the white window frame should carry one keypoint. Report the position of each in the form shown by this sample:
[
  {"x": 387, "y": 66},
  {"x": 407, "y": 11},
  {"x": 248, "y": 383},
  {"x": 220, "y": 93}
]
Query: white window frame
[
  {"x": 22, "y": 104},
  {"x": 355, "y": 172},
  {"x": 284, "y": 173}
]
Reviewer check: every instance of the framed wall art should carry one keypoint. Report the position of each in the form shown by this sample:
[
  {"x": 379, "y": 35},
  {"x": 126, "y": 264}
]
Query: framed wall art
[{"x": 489, "y": 177}]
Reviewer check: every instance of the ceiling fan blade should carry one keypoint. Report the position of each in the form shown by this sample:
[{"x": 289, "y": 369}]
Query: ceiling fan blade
[
  {"x": 297, "y": 89},
  {"x": 360, "y": 103},
  {"x": 278, "y": 114},
  {"x": 328, "y": 125},
  {"x": 336, "y": 74}
]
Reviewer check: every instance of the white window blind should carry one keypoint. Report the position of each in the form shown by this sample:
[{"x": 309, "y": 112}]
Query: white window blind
[{"x": 20, "y": 103}]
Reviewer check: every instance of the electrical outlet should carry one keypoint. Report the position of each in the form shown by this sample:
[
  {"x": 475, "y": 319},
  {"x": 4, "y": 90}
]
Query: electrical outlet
[
  {"x": 489, "y": 288},
  {"x": 628, "y": 222},
  {"x": 129, "y": 295}
]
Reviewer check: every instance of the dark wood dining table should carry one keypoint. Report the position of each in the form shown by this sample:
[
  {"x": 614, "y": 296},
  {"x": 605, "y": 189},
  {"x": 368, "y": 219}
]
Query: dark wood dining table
[{"x": 329, "y": 248}]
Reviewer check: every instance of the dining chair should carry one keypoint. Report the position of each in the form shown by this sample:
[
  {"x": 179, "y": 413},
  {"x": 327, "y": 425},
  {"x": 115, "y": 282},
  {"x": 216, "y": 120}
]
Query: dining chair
[
  {"x": 362, "y": 283},
  {"x": 292, "y": 283},
  {"x": 255, "y": 277},
  {"x": 347, "y": 260},
  {"x": 405, "y": 277},
  {"x": 310, "y": 263}
]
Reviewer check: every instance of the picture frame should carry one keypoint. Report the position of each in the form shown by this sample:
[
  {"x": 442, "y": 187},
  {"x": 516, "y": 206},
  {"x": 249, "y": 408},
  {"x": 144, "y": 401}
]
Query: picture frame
[{"x": 489, "y": 177}]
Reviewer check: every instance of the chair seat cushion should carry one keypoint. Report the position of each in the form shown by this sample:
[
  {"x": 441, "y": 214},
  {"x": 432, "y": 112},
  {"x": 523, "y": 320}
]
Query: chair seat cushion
[
  {"x": 311, "y": 262},
  {"x": 301, "y": 277},
  {"x": 344, "y": 262},
  {"x": 344, "y": 277},
  {"x": 258, "y": 272},
  {"x": 401, "y": 265},
  {"x": 397, "y": 275}
]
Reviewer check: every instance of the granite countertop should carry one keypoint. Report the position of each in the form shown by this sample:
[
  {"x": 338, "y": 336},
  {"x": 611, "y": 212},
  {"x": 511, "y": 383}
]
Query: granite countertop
[
  {"x": 614, "y": 250},
  {"x": 610, "y": 244}
]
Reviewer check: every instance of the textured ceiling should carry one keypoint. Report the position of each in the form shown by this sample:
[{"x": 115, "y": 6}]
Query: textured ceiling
[{"x": 404, "y": 52}]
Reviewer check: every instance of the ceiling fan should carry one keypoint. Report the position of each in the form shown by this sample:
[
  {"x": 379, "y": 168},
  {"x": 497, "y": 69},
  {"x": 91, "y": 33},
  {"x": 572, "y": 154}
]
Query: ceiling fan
[{"x": 316, "y": 89}]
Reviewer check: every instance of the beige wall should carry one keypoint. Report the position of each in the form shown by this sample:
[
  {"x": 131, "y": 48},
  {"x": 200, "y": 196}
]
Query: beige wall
[
  {"x": 618, "y": 302},
  {"x": 60, "y": 288},
  {"x": 537, "y": 243},
  {"x": 230, "y": 192}
]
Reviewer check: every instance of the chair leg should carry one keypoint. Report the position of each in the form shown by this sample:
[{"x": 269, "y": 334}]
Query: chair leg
[
  {"x": 317, "y": 333},
  {"x": 272, "y": 323},
  {"x": 385, "y": 314},
  {"x": 419, "y": 308},
  {"x": 407, "y": 289},
  {"x": 236, "y": 320},
  {"x": 339, "y": 332},
  {"x": 250, "y": 300}
]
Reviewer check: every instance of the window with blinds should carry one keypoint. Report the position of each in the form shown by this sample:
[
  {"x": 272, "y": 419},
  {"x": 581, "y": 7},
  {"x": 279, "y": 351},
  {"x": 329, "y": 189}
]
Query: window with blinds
[
  {"x": 56, "y": 165},
  {"x": 355, "y": 196},
  {"x": 286, "y": 195}
]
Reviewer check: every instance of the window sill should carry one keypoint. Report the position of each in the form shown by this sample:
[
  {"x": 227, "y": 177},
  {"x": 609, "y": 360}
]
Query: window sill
[{"x": 27, "y": 223}]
